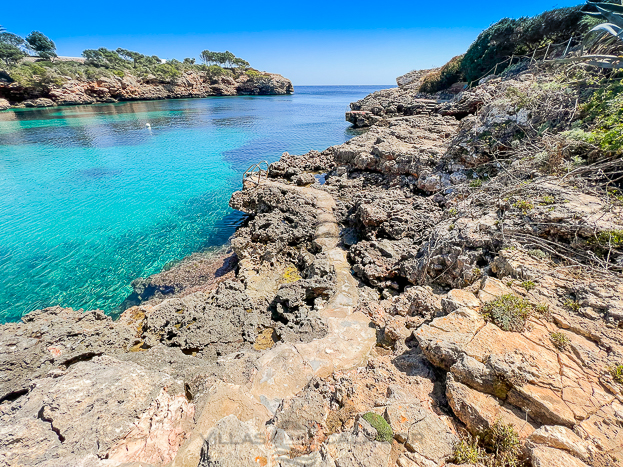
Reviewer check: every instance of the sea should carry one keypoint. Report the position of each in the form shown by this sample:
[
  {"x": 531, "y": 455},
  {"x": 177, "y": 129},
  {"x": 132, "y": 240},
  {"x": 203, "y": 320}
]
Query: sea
[{"x": 92, "y": 197}]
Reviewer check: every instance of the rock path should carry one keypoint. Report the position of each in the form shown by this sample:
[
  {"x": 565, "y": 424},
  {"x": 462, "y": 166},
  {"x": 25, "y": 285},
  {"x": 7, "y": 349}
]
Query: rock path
[{"x": 285, "y": 369}]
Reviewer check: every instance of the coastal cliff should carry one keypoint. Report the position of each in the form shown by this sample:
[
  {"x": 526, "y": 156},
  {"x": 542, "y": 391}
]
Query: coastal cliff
[{"x": 79, "y": 91}]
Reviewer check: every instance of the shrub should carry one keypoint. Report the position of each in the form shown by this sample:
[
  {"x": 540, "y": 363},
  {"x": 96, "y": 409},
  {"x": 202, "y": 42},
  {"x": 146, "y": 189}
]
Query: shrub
[
  {"x": 608, "y": 238},
  {"x": 384, "y": 430},
  {"x": 524, "y": 205},
  {"x": 254, "y": 74},
  {"x": 543, "y": 312},
  {"x": 503, "y": 442},
  {"x": 572, "y": 305},
  {"x": 466, "y": 452},
  {"x": 617, "y": 373},
  {"x": 538, "y": 254},
  {"x": 443, "y": 78},
  {"x": 166, "y": 71},
  {"x": 476, "y": 183},
  {"x": 497, "y": 446},
  {"x": 520, "y": 36},
  {"x": 215, "y": 70},
  {"x": 559, "y": 339},
  {"x": 508, "y": 312},
  {"x": 604, "y": 112},
  {"x": 528, "y": 285}
]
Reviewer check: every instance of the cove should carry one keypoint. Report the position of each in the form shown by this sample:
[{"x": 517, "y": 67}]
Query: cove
[{"x": 91, "y": 198}]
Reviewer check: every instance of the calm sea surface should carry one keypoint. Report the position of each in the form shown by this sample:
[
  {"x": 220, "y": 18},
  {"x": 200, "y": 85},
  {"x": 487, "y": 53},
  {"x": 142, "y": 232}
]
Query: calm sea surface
[{"x": 91, "y": 199}]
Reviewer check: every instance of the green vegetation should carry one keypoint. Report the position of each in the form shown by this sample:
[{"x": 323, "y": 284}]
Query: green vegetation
[
  {"x": 498, "y": 446},
  {"x": 227, "y": 59},
  {"x": 560, "y": 340},
  {"x": 520, "y": 36},
  {"x": 543, "y": 312},
  {"x": 616, "y": 371},
  {"x": 507, "y": 38},
  {"x": 528, "y": 285},
  {"x": 538, "y": 254},
  {"x": 508, "y": 312},
  {"x": 476, "y": 183},
  {"x": 384, "y": 431},
  {"x": 611, "y": 12},
  {"x": 466, "y": 452},
  {"x": 105, "y": 63},
  {"x": 604, "y": 113},
  {"x": 609, "y": 238},
  {"x": 443, "y": 78},
  {"x": 503, "y": 443},
  {"x": 524, "y": 205},
  {"x": 572, "y": 305},
  {"x": 41, "y": 44},
  {"x": 547, "y": 200}
]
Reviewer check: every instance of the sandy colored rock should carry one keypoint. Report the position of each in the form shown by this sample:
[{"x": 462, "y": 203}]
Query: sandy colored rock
[
  {"x": 550, "y": 457},
  {"x": 560, "y": 437},
  {"x": 222, "y": 400},
  {"x": 94, "y": 407},
  {"x": 232, "y": 443},
  {"x": 350, "y": 450},
  {"x": 458, "y": 298},
  {"x": 481, "y": 411},
  {"x": 421, "y": 430}
]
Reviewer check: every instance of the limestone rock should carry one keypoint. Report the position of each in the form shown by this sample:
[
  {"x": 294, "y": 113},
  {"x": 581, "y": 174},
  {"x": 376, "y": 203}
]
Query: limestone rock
[
  {"x": 4, "y": 104},
  {"x": 523, "y": 368},
  {"x": 190, "y": 84},
  {"x": 560, "y": 437},
  {"x": 305, "y": 179},
  {"x": 100, "y": 407},
  {"x": 40, "y": 102},
  {"x": 481, "y": 411},
  {"x": 410, "y": 146},
  {"x": 356, "y": 450},
  {"x": 55, "y": 338},
  {"x": 422, "y": 431},
  {"x": 550, "y": 457},
  {"x": 232, "y": 443},
  {"x": 190, "y": 322}
]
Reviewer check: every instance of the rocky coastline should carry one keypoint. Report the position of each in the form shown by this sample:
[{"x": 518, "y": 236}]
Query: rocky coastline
[
  {"x": 445, "y": 283},
  {"x": 191, "y": 84}
]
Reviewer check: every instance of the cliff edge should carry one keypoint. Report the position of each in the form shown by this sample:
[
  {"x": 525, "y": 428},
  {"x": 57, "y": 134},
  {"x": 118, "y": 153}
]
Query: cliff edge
[{"x": 110, "y": 89}]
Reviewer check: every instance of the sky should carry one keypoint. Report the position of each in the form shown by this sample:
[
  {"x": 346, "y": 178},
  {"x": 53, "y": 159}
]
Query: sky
[{"x": 326, "y": 42}]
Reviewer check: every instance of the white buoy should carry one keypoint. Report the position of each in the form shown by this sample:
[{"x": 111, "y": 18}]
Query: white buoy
[{"x": 148, "y": 126}]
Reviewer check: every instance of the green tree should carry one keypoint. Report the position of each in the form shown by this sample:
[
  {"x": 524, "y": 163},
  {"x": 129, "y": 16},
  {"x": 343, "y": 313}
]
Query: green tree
[
  {"x": 240, "y": 63},
  {"x": 189, "y": 61},
  {"x": 41, "y": 44},
  {"x": 207, "y": 57},
  {"x": 130, "y": 56},
  {"x": 104, "y": 58},
  {"x": 13, "y": 39},
  {"x": 229, "y": 58},
  {"x": 10, "y": 53},
  {"x": 219, "y": 58}
]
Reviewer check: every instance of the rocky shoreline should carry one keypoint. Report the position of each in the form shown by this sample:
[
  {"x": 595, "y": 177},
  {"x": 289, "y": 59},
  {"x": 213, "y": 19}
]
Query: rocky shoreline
[
  {"x": 192, "y": 84},
  {"x": 444, "y": 284}
]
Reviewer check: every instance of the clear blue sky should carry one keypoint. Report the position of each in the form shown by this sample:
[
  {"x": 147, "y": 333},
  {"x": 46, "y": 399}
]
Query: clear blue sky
[{"x": 320, "y": 42}]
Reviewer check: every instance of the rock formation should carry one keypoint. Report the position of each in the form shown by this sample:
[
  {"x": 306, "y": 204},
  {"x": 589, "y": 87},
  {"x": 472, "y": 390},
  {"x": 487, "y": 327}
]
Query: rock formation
[{"x": 128, "y": 87}]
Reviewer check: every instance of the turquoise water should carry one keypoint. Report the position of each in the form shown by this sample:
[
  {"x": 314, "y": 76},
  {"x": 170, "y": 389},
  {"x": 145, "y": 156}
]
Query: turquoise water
[{"x": 91, "y": 199}]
